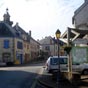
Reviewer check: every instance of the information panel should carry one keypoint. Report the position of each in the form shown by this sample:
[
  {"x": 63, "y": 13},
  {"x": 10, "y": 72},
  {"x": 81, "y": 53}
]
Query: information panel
[{"x": 80, "y": 54}]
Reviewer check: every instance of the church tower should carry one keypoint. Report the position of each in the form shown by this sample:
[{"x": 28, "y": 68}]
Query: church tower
[{"x": 6, "y": 18}]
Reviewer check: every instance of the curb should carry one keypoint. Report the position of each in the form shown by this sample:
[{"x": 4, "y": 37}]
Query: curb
[{"x": 41, "y": 82}]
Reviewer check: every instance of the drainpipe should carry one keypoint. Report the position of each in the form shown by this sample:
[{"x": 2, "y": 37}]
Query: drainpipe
[{"x": 14, "y": 54}]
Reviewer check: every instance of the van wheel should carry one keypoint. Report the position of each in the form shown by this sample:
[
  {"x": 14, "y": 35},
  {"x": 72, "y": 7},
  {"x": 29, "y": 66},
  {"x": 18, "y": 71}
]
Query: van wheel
[
  {"x": 54, "y": 76},
  {"x": 85, "y": 72},
  {"x": 9, "y": 63}
]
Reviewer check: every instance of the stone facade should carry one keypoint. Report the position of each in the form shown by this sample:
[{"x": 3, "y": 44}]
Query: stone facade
[
  {"x": 80, "y": 18},
  {"x": 34, "y": 48},
  {"x": 16, "y": 45},
  {"x": 50, "y": 47},
  {"x": 3, "y": 51}
]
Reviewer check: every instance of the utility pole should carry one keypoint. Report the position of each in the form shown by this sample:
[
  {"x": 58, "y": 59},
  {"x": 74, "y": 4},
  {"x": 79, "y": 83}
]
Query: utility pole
[{"x": 69, "y": 57}]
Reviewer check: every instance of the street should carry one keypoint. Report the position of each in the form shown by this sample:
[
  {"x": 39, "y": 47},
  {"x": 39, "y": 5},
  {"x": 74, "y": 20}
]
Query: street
[
  {"x": 33, "y": 76},
  {"x": 19, "y": 76}
]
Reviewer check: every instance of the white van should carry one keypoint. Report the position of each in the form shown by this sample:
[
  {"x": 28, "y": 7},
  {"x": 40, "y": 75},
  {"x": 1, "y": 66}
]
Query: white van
[{"x": 52, "y": 65}]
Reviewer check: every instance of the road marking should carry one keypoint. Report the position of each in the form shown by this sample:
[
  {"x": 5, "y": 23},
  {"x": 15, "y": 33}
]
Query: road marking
[{"x": 39, "y": 74}]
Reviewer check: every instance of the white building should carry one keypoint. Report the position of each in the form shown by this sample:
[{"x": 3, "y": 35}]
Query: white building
[{"x": 48, "y": 46}]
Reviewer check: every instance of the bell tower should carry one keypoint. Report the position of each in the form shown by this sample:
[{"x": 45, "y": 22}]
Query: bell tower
[{"x": 6, "y": 18}]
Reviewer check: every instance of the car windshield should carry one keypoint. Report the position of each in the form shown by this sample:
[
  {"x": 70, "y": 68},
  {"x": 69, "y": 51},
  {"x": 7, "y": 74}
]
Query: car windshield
[{"x": 55, "y": 61}]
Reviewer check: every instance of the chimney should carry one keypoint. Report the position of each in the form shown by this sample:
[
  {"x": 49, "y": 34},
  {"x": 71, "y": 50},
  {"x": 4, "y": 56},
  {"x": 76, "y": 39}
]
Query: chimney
[
  {"x": 17, "y": 25},
  {"x": 30, "y": 33}
]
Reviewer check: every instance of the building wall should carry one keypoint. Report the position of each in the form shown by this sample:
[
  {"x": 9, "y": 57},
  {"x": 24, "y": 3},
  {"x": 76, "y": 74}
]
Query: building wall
[
  {"x": 54, "y": 49},
  {"x": 34, "y": 49},
  {"x": 81, "y": 16},
  {"x": 19, "y": 56},
  {"x": 18, "y": 53},
  {"x": 49, "y": 46},
  {"x": 9, "y": 50},
  {"x": 26, "y": 49}
]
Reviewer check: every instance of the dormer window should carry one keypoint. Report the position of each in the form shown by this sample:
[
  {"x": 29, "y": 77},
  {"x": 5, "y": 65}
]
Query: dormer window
[{"x": 17, "y": 34}]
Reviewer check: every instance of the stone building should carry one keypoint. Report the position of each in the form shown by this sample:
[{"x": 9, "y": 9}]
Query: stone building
[
  {"x": 34, "y": 48},
  {"x": 80, "y": 18},
  {"x": 15, "y": 44},
  {"x": 80, "y": 22},
  {"x": 49, "y": 46},
  {"x": 10, "y": 42}
]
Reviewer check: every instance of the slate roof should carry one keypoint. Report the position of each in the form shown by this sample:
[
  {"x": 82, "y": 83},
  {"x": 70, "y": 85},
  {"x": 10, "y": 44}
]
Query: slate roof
[
  {"x": 59, "y": 41},
  {"x": 6, "y": 30},
  {"x": 19, "y": 29},
  {"x": 42, "y": 42}
]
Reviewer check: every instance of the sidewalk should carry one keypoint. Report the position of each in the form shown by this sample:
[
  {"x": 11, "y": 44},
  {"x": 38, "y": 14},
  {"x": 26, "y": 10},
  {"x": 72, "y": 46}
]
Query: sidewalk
[{"x": 47, "y": 81}]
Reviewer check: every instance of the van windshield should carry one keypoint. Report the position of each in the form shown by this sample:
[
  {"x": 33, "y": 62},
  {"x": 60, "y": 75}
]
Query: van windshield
[{"x": 55, "y": 61}]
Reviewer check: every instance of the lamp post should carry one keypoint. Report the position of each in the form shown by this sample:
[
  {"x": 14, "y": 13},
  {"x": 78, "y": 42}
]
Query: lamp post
[{"x": 58, "y": 33}]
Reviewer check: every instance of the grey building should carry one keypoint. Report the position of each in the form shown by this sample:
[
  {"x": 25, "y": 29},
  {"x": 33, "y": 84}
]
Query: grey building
[
  {"x": 80, "y": 18},
  {"x": 80, "y": 22}
]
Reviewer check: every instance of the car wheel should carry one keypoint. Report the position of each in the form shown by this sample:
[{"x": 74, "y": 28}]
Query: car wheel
[{"x": 85, "y": 72}]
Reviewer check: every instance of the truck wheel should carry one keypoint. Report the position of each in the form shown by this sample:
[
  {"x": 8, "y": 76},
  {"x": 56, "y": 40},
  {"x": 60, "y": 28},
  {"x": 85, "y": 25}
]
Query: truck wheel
[{"x": 85, "y": 72}]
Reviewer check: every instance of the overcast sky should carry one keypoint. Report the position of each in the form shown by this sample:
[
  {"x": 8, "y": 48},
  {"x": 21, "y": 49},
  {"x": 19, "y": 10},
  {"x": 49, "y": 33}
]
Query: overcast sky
[{"x": 42, "y": 17}]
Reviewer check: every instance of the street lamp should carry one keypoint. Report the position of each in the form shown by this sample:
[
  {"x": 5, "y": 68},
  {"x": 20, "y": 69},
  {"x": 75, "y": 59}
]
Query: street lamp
[{"x": 58, "y": 33}]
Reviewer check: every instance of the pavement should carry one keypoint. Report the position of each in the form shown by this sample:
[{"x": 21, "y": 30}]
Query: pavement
[{"x": 48, "y": 82}]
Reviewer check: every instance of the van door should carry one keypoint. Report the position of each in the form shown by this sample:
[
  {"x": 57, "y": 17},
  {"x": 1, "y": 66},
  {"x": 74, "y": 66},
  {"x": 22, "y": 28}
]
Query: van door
[{"x": 63, "y": 64}]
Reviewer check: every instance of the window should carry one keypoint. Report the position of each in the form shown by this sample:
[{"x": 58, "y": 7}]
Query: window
[
  {"x": 63, "y": 60},
  {"x": 55, "y": 61},
  {"x": 38, "y": 46},
  {"x": 19, "y": 45},
  {"x": 47, "y": 48},
  {"x": 24, "y": 45},
  {"x": 27, "y": 46},
  {"x": 6, "y": 44}
]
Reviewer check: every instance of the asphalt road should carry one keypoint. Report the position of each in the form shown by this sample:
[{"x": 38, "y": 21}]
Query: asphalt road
[
  {"x": 26, "y": 77},
  {"x": 19, "y": 76}
]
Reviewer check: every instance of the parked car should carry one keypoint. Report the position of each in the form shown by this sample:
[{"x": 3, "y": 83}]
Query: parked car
[{"x": 52, "y": 65}]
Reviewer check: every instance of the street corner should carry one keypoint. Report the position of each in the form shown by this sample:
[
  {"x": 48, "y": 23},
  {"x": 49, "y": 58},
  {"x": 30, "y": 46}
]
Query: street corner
[{"x": 45, "y": 79}]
